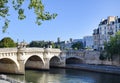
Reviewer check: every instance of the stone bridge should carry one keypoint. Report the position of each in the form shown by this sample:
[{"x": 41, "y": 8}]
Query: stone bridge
[
  {"x": 15, "y": 60},
  {"x": 74, "y": 56}
]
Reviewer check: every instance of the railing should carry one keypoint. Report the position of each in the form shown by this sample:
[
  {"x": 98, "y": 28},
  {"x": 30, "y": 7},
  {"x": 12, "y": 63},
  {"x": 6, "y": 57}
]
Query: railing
[
  {"x": 8, "y": 50},
  {"x": 8, "y": 54},
  {"x": 34, "y": 49},
  {"x": 75, "y": 53}
]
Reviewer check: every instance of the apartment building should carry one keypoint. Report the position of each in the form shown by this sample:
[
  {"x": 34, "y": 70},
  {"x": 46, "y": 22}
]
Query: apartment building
[{"x": 106, "y": 28}]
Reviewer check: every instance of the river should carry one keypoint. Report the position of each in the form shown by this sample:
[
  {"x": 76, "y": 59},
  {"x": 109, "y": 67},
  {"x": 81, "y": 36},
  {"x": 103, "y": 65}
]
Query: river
[{"x": 57, "y": 75}]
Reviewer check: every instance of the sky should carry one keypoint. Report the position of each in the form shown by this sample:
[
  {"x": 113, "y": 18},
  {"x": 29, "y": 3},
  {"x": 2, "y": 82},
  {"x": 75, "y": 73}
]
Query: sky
[{"x": 76, "y": 19}]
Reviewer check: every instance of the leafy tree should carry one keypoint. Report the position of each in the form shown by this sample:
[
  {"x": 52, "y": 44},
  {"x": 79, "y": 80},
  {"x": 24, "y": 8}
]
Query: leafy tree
[
  {"x": 33, "y": 44},
  {"x": 40, "y": 44},
  {"x": 37, "y": 44},
  {"x": 57, "y": 46},
  {"x": 36, "y": 5},
  {"x": 113, "y": 46},
  {"x": 7, "y": 42},
  {"x": 77, "y": 46},
  {"x": 53, "y": 45}
]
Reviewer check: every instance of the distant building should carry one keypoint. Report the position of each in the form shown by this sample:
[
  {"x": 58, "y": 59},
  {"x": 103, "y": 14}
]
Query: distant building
[
  {"x": 66, "y": 45},
  {"x": 58, "y": 39},
  {"x": 96, "y": 39},
  {"x": 106, "y": 28},
  {"x": 71, "y": 39},
  {"x": 77, "y": 40},
  {"x": 88, "y": 42}
]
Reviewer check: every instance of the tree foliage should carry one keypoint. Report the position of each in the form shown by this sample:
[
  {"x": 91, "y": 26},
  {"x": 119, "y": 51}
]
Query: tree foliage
[
  {"x": 7, "y": 42},
  {"x": 37, "y": 44},
  {"x": 113, "y": 46},
  {"x": 36, "y": 5},
  {"x": 42, "y": 44},
  {"x": 77, "y": 45}
]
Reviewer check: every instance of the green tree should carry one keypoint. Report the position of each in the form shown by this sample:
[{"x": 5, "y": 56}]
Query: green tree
[
  {"x": 40, "y": 44},
  {"x": 33, "y": 44},
  {"x": 36, "y": 5},
  {"x": 53, "y": 45},
  {"x": 57, "y": 46},
  {"x": 77, "y": 46},
  {"x": 37, "y": 44},
  {"x": 7, "y": 42},
  {"x": 113, "y": 46}
]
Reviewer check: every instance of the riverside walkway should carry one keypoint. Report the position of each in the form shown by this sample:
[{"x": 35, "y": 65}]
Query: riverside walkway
[
  {"x": 96, "y": 68},
  {"x": 5, "y": 79}
]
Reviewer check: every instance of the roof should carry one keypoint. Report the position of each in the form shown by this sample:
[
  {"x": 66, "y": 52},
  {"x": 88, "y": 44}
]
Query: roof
[{"x": 103, "y": 22}]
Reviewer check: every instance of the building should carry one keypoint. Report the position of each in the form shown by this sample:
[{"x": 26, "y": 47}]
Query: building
[
  {"x": 77, "y": 40},
  {"x": 95, "y": 39},
  {"x": 106, "y": 28},
  {"x": 63, "y": 45},
  {"x": 88, "y": 42},
  {"x": 67, "y": 45}
]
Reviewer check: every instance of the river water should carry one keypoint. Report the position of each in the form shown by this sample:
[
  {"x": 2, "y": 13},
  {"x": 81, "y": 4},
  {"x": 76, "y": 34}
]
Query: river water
[{"x": 57, "y": 75}]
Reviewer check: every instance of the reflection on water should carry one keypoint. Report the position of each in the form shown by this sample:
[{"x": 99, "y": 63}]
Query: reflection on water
[{"x": 66, "y": 76}]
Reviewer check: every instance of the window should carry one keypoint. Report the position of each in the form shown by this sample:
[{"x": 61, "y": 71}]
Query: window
[
  {"x": 116, "y": 30},
  {"x": 105, "y": 28},
  {"x": 104, "y": 32},
  {"x": 116, "y": 26}
]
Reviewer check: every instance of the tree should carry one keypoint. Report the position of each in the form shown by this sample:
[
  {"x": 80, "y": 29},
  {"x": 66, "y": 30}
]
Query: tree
[
  {"x": 37, "y": 44},
  {"x": 33, "y": 44},
  {"x": 40, "y": 44},
  {"x": 7, "y": 42},
  {"x": 113, "y": 46},
  {"x": 36, "y": 5},
  {"x": 53, "y": 45},
  {"x": 77, "y": 46}
]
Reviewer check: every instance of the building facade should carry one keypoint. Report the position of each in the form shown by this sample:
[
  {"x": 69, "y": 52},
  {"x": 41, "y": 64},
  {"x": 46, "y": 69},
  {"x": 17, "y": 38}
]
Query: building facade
[
  {"x": 106, "y": 28},
  {"x": 88, "y": 42},
  {"x": 95, "y": 38}
]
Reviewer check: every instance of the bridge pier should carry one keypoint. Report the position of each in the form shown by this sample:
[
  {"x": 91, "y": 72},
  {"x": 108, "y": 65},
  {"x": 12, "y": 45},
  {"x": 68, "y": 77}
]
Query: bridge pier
[
  {"x": 20, "y": 59},
  {"x": 46, "y": 58},
  {"x": 21, "y": 67},
  {"x": 46, "y": 64},
  {"x": 63, "y": 59}
]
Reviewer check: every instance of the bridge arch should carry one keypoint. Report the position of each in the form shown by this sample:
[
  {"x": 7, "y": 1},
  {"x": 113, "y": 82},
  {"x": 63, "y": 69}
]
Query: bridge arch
[
  {"x": 34, "y": 62},
  {"x": 8, "y": 65},
  {"x": 74, "y": 60},
  {"x": 54, "y": 61}
]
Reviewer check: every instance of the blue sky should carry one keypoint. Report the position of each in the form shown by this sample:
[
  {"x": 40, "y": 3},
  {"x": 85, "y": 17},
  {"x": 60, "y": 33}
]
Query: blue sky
[{"x": 76, "y": 19}]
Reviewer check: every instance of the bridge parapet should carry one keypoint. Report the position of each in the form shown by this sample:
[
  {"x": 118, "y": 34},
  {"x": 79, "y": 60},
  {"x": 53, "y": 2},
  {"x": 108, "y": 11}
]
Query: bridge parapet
[
  {"x": 75, "y": 53},
  {"x": 8, "y": 52},
  {"x": 34, "y": 50},
  {"x": 52, "y": 50},
  {"x": 40, "y": 50},
  {"x": 49, "y": 52}
]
